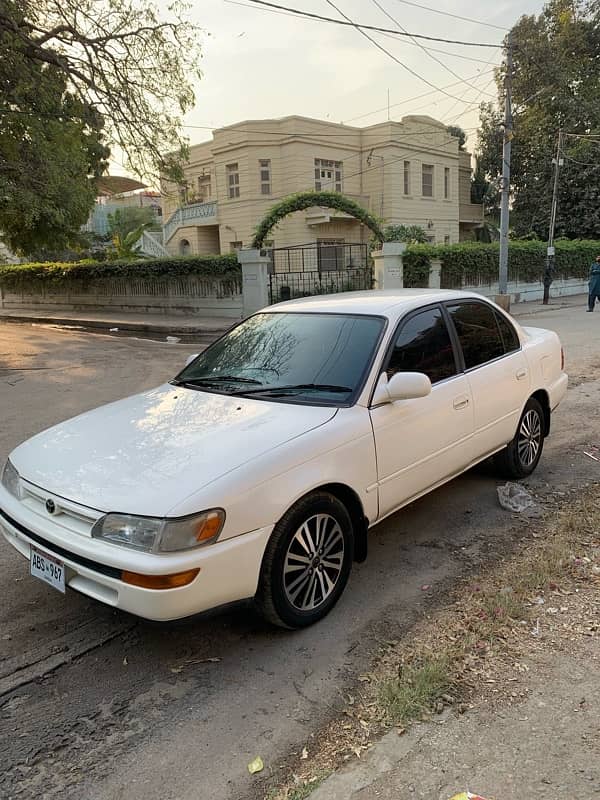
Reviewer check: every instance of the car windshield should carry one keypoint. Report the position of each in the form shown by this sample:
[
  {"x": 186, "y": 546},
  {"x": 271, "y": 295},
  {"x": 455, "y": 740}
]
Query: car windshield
[{"x": 318, "y": 358}]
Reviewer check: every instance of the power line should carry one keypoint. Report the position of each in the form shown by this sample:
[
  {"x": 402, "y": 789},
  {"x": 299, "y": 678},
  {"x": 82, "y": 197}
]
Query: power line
[
  {"x": 581, "y": 163},
  {"x": 454, "y": 16},
  {"x": 415, "y": 44},
  {"x": 411, "y": 99},
  {"x": 322, "y": 18},
  {"x": 589, "y": 136},
  {"x": 319, "y": 134},
  {"x": 421, "y": 46},
  {"x": 387, "y": 52},
  {"x": 316, "y": 134},
  {"x": 387, "y": 35}
]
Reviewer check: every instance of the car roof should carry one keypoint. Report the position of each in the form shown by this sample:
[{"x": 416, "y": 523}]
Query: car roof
[{"x": 388, "y": 303}]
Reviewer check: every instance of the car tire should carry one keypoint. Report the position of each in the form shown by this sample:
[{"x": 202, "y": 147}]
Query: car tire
[
  {"x": 522, "y": 455},
  {"x": 307, "y": 562}
]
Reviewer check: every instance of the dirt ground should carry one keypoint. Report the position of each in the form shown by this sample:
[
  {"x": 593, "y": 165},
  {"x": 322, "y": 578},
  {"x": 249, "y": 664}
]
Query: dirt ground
[
  {"x": 516, "y": 716},
  {"x": 97, "y": 704}
]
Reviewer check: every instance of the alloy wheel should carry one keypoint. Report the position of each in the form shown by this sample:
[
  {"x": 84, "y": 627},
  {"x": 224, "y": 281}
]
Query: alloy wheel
[
  {"x": 313, "y": 562},
  {"x": 530, "y": 438}
]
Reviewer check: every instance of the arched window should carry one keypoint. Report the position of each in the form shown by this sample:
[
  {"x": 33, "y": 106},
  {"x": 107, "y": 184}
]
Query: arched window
[{"x": 184, "y": 247}]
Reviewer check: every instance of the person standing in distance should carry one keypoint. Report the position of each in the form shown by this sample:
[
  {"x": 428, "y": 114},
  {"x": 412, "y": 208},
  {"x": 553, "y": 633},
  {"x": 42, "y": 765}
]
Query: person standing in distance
[{"x": 594, "y": 284}]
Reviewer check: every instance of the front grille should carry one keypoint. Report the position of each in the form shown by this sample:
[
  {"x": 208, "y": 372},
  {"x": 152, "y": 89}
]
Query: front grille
[
  {"x": 111, "y": 572},
  {"x": 70, "y": 516}
]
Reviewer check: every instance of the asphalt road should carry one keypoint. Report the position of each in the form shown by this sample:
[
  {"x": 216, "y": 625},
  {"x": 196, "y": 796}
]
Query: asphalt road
[{"x": 96, "y": 704}]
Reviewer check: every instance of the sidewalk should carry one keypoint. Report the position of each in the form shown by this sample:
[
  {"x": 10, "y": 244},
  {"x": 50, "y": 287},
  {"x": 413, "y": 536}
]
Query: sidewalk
[
  {"x": 207, "y": 328},
  {"x": 556, "y": 303},
  {"x": 126, "y": 322},
  {"x": 542, "y": 746}
]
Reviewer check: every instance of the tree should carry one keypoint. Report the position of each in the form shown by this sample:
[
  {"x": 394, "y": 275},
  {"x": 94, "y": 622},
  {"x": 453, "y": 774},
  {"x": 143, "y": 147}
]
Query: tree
[
  {"x": 78, "y": 76},
  {"x": 125, "y": 227},
  {"x": 51, "y": 142},
  {"x": 556, "y": 84},
  {"x": 458, "y": 133},
  {"x": 120, "y": 58},
  {"x": 127, "y": 219}
]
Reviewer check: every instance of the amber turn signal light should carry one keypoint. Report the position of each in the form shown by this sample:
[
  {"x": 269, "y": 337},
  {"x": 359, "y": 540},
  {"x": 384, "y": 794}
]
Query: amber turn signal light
[
  {"x": 210, "y": 526},
  {"x": 160, "y": 581}
]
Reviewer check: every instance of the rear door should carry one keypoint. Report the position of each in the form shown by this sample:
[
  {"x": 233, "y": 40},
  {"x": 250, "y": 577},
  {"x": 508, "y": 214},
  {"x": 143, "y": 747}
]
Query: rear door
[
  {"x": 423, "y": 441},
  {"x": 496, "y": 369}
]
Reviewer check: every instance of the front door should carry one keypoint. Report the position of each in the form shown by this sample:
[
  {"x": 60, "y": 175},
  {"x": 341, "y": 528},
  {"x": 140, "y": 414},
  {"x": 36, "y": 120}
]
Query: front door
[{"x": 422, "y": 442}]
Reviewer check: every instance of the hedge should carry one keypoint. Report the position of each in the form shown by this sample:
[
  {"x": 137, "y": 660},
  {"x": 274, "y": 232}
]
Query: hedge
[
  {"x": 468, "y": 263},
  {"x": 474, "y": 263},
  {"x": 16, "y": 275}
]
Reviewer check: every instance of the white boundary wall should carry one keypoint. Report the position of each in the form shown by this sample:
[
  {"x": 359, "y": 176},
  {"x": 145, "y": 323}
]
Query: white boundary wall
[{"x": 186, "y": 295}]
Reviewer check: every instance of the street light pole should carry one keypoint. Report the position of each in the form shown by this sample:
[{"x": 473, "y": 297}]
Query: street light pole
[
  {"x": 550, "y": 252},
  {"x": 506, "y": 151}
]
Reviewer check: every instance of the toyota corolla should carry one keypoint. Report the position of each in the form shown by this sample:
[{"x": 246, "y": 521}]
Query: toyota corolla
[{"x": 258, "y": 470}]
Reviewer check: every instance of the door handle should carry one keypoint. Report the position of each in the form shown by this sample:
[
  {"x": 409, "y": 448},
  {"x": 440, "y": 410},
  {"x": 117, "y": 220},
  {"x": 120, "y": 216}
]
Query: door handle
[
  {"x": 460, "y": 402},
  {"x": 522, "y": 373}
]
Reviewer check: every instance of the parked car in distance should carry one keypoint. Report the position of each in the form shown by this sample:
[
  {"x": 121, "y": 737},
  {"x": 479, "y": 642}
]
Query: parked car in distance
[{"x": 258, "y": 470}]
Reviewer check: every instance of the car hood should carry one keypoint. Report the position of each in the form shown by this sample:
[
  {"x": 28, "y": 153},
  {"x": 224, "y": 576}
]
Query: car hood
[{"x": 145, "y": 454}]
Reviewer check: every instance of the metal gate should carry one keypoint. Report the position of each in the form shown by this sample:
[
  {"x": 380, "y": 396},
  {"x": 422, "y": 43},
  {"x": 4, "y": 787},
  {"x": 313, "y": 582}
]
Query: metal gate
[{"x": 318, "y": 268}]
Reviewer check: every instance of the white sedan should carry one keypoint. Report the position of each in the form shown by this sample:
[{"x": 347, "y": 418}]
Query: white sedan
[{"x": 258, "y": 470}]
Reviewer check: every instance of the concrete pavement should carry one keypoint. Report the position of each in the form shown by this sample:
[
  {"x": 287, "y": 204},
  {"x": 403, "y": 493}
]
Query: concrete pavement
[{"x": 125, "y": 322}]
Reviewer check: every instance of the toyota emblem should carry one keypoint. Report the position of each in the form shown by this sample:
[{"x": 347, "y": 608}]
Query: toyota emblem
[{"x": 50, "y": 506}]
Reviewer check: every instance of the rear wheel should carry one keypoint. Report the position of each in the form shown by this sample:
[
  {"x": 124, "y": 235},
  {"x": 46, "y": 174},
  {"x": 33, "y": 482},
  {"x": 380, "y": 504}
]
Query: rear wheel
[
  {"x": 521, "y": 456},
  {"x": 307, "y": 562}
]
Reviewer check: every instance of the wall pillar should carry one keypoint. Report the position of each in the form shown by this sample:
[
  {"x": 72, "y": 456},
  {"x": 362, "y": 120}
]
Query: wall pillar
[
  {"x": 255, "y": 280},
  {"x": 389, "y": 269},
  {"x": 435, "y": 274}
]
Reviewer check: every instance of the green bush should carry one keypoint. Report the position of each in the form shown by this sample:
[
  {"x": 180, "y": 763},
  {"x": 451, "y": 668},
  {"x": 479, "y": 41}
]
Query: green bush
[
  {"x": 14, "y": 276},
  {"x": 476, "y": 264},
  {"x": 417, "y": 263},
  {"x": 303, "y": 200}
]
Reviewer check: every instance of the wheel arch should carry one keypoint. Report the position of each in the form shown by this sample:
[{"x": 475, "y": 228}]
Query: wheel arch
[
  {"x": 353, "y": 504},
  {"x": 541, "y": 395}
]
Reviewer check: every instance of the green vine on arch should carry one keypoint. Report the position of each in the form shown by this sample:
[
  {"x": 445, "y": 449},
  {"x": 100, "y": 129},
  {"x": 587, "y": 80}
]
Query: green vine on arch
[{"x": 303, "y": 200}]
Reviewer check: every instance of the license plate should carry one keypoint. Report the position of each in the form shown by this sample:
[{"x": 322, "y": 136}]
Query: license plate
[{"x": 48, "y": 569}]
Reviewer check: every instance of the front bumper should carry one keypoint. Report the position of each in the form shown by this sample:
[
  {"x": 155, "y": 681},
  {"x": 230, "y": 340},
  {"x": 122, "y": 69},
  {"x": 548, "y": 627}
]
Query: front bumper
[{"x": 229, "y": 570}]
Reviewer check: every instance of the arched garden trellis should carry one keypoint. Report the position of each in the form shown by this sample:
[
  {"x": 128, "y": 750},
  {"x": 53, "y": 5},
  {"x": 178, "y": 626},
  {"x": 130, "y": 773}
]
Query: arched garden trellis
[
  {"x": 304, "y": 200},
  {"x": 318, "y": 268}
]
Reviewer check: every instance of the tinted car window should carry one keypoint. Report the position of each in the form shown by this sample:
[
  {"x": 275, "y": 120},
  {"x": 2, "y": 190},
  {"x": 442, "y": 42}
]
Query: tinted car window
[
  {"x": 478, "y": 332},
  {"x": 423, "y": 345},
  {"x": 509, "y": 335}
]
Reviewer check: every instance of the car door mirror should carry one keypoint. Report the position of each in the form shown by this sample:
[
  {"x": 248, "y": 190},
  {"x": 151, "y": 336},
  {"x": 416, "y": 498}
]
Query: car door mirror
[
  {"x": 191, "y": 358},
  {"x": 401, "y": 386}
]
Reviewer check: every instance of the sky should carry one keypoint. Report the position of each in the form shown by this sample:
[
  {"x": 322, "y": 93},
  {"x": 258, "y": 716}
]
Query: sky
[{"x": 258, "y": 64}]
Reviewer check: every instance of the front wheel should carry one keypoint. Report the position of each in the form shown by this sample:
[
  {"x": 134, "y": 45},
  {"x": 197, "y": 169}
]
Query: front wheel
[
  {"x": 307, "y": 562},
  {"x": 521, "y": 456}
]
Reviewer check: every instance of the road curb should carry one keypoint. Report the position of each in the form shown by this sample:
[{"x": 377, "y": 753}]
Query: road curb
[{"x": 121, "y": 325}]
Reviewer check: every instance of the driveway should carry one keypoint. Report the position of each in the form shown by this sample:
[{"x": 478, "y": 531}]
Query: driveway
[{"x": 97, "y": 704}]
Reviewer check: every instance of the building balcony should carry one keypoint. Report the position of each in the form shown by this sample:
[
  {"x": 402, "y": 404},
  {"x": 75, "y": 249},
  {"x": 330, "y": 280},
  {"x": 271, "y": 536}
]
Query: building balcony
[
  {"x": 323, "y": 216},
  {"x": 191, "y": 215},
  {"x": 470, "y": 213}
]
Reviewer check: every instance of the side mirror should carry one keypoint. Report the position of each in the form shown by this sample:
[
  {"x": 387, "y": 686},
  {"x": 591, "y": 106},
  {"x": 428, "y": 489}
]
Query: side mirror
[
  {"x": 191, "y": 358},
  {"x": 401, "y": 386}
]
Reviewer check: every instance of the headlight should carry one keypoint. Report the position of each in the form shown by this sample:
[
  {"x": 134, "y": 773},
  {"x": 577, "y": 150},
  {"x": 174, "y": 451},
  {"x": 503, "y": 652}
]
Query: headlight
[
  {"x": 11, "y": 480},
  {"x": 160, "y": 535}
]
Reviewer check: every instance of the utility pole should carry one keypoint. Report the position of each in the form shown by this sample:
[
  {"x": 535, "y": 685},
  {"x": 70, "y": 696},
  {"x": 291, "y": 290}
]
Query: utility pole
[
  {"x": 550, "y": 252},
  {"x": 506, "y": 148}
]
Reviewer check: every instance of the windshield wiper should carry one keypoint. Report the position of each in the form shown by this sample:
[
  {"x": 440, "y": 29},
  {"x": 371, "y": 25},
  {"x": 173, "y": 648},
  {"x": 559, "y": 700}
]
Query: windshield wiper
[
  {"x": 208, "y": 381},
  {"x": 297, "y": 388}
]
